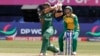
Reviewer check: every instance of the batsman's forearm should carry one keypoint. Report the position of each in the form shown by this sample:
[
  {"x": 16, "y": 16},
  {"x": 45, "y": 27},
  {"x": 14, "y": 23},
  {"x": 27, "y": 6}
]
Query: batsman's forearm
[{"x": 48, "y": 10}]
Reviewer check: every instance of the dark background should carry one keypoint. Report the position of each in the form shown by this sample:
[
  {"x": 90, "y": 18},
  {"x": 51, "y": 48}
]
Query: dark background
[{"x": 13, "y": 13}]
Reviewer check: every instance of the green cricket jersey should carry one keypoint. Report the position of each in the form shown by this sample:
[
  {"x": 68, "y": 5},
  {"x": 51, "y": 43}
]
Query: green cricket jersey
[{"x": 48, "y": 17}]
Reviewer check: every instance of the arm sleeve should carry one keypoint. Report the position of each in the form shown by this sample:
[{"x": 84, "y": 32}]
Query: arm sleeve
[
  {"x": 77, "y": 28},
  {"x": 64, "y": 23}
]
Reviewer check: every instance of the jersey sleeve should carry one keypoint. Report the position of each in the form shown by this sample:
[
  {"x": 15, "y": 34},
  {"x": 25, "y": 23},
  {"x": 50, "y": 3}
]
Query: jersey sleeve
[
  {"x": 77, "y": 27},
  {"x": 64, "y": 23}
]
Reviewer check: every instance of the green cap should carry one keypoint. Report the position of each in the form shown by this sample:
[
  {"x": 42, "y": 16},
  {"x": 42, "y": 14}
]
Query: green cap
[{"x": 69, "y": 7}]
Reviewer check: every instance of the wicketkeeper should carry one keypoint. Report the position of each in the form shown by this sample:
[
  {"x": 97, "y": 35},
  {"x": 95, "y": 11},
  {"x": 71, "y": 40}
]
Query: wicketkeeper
[{"x": 70, "y": 22}]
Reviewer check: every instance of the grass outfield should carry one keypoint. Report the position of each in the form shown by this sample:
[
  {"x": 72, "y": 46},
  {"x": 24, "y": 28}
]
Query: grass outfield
[{"x": 33, "y": 48}]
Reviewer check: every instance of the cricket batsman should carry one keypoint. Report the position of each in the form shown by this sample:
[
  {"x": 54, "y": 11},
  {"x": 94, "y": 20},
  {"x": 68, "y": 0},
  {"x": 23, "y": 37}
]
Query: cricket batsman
[
  {"x": 70, "y": 22},
  {"x": 46, "y": 17}
]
